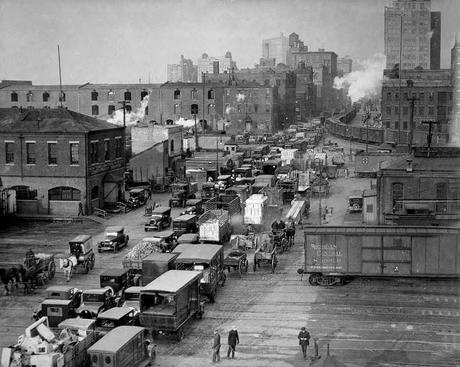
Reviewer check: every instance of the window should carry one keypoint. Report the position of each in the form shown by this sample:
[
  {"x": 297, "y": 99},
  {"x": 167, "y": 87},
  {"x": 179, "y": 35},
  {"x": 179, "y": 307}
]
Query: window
[
  {"x": 95, "y": 110},
  {"x": 396, "y": 96},
  {"x": 118, "y": 147},
  {"x": 421, "y": 96},
  {"x": 193, "y": 94},
  {"x": 176, "y": 109},
  {"x": 397, "y": 125},
  {"x": 64, "y": 193},
  {"x": 406, "y": 96},
  {"x": 256, "y": 107},
  {"x": 14, "y": 97},
  {"x": 172, "y": 146},
  {"x": 430, "y": 96},
  {"x": 369, "y": 208},
  {"x": 388, "y": 95},
  {"x": 52, "y": 153},
  {"x": 106, "y": 150},
  {"x": 30, "y": 153},
  {"x": 267, "y": 107},
  {"x": 74, "y": 147},
  {"x": 441, "y": 197},
  {"x": 93, "y": 152},
  {"x": 177, "y": 94},
  {"x": 404, "y": 125},
  {"x": 46, "y": 97},
  {"x": 396, "y": 110},
  {"x": 25, "y": 193},
  {"x": 430, "y": 110},
  {"x": 61, "y": 97},
  {"x": 9, "y": 152},
  {"x": 388, "y": 110},
  {"x": 111, "y": 109},
  {"x": 421, "y": 110},
  {"x": 405, "y": 110},
  {"x": 238, "y": 107},
  {"x": 29, "y": 96},
  {"x": 397, "y": 195},
  {"x": 95, "y": 193},
  {"x": 387, "y": 124},
  {"x": 211, "y": 108},
  {"x": 94, "y": 95},
  {"x": 127, "y": 95},
  {"x": 211, "y": 94},
  {"x": 110, "y": 95},
  {"x": 128, "y": 108},
  {"x": 144, "y": 93}
]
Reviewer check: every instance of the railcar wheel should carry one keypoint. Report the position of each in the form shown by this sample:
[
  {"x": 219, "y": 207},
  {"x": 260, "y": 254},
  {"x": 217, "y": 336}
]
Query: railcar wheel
[{"x": 313, "y": 279}]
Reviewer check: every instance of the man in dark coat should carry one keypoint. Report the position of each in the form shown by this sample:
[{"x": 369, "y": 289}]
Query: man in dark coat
[
  {"x": 233, "y": 340},
  {"x": 304, "y": 340},
  {"x": 216, "y": 347}
]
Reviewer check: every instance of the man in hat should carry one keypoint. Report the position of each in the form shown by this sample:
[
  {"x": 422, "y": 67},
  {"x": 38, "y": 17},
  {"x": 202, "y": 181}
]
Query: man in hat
[
  {"x": 216, "y": 347},
  {"x": 233, "y": 340},
  {"x": 304, "y": 340}
]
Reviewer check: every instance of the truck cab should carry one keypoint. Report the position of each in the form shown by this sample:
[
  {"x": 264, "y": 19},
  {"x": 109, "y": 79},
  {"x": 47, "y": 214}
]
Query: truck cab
[
  {"x": 115, "y": 238},
  {"x": 137, "y": 197},
  {"x": 115, "y": 317},
  {"x": 223, "y": 182},
  {"x": 94, "y": 301},
  {"x": 115, "y": 278},
  {"x": 355, "y": 201},
  {"x": 187, "y": 223},
  {"x": 160, "y": 219},
  {"x": 60, "y": 302}
]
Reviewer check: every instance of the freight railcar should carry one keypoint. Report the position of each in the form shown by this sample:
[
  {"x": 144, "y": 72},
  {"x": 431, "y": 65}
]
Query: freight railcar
[
  {"x": 333, "y": 254},
  {"x": 362, "y": 134}
]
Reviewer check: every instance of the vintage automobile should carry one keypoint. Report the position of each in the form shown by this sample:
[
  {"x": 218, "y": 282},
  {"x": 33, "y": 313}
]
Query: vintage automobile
[
  {"x": 167, "y": 240},
  {"x": 82, "y": 257},
  {"x": 189, "y": 238},
  {"x": 193, "y": 206},
  {"x": 116, "y": 278},
  {"x": 94, "y": 301},
  {"x": 169, "y": 301},
  {"x": 187, "y": 223},
  {"x": 137, "y": 197},
  {"x": 60, "y": 302},
  {"x": 209, "y": 259},
  {"x": 131, "y": 298},
  {"x": 115, "y": 238},
  {"x": 115, "y": 317},
  {"x": 160, "y": 219},
  {"x": 223, "y": 182},
  {"x": 355, "y": 201},
  {"x": 208, "y": 190}
]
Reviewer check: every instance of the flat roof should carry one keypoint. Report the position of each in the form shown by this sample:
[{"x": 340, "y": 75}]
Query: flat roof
[
  {"x": 424, "y": 164},
  {"x": 59, "y": 288},
  {"x": 60, "y": 302},
  {"x": 114, "y": 313},
  {"x": 197, "y": 253},
  {"x": 77, "y": 323},
  {"x": 81, "y": 238},
  {"x": 115, "y": 272},
  {"x": 116, "y": 338},
  {"x": 184, "y": 217},
  {"x": 380, "y": 230},
  {"x": 172, "y": 281}
]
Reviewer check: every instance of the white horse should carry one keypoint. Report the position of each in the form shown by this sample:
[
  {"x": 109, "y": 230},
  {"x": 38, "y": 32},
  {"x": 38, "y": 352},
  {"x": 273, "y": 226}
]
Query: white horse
[{"x": 67, "y": 266}]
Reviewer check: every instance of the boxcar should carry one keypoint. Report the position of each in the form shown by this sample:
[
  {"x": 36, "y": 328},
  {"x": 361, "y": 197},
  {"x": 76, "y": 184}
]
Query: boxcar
[
  {"x": 120, "y": 347},
  {"x": 334, "y": 253}
]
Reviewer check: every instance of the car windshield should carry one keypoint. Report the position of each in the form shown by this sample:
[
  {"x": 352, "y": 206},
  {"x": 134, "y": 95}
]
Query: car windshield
[
  {"x": 156, "y": 217},
  {"x": 105, "y": 323},
  {"x": 93, "y": 297},
  {"x": 111, "y": 235}
]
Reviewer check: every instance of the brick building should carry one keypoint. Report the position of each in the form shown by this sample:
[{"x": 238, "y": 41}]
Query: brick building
[
  {"x": 58, "y": 158},
  {"x": 421, "y": 189},
  {"x": 432, "y": 90},
  {"x": 151, "y": 165}
]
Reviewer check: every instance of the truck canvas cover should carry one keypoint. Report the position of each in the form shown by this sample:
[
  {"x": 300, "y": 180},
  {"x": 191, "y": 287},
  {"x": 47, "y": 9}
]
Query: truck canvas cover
[{"x": 171, "y": 281}]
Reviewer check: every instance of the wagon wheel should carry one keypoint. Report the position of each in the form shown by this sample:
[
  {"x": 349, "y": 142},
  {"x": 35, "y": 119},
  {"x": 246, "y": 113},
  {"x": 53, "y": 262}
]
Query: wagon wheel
[
  {"x": 51, "y": 269},
  {"x": 313, "y": 279},
  {"x": 241, "y": 267},
  {"x": 274, "y": 262},
  {"x": 92, "y": 261},
  {"x": 87, "y": 266},
  {"x": 246, "y": 265},
  {"x": 254, "y": 267},
  {"x": 180, "y": 334},
  {"x": 224, "y": 278},
  {"x": 327, "y": 281}
]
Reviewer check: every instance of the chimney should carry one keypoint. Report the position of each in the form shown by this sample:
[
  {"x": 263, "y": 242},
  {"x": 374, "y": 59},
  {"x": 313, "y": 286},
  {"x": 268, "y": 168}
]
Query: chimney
[{"x": 409, "y": 165}]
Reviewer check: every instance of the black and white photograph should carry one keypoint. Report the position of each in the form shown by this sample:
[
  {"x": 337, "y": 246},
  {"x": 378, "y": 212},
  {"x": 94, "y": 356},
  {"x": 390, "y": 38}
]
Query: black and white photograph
[{"x": 236, "y": 183}]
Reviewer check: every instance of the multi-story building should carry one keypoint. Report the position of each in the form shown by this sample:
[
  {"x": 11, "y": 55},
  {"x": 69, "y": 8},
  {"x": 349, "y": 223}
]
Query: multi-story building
[
  {"x": 432, "y": 94},
  {"x": 344, "y": 65},
  {"x": 58, "y": 159},
  {"x": 455, "y": 67},
  {"x": 275, "y": 49},
  {"x": 296, "y": 52},
  {"x": 305, "y": 93},
  {"x": 414, "y": 20},
  {"x": 215, "y": 65},
  {"x": 185, "y": 71}
]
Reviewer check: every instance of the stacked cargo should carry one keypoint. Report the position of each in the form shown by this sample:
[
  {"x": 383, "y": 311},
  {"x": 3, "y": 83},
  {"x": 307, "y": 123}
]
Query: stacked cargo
[
  {"x": 133, "y": 259},
  {"x": 214, "y": 226}
]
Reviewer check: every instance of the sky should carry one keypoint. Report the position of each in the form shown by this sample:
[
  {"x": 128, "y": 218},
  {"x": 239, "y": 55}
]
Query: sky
[{"x": 122, "y": 41}]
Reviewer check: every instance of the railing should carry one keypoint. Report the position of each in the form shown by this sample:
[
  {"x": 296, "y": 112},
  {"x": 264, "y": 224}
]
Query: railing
[{"x": 99, "y": 212}]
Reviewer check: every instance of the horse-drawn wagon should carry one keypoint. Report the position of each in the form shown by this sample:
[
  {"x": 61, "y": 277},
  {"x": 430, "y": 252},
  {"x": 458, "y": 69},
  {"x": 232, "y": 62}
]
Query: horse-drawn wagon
[{"x": 265, "y": 252}]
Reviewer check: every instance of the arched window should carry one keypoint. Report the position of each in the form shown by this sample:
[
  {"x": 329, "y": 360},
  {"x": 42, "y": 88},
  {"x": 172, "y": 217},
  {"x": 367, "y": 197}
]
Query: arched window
[
  {"x": 95, "y": 193},
  {"x": 397, "y": 191},
  {"x": 14, "y": 97},
  {"x": 64, "y": 193},
  {"x": 111, "y": 95},
  {"x": 211, "y": 94},
  {"x": 94, "y": 95},
  {"x": 143, "y": 94},
  {"x": 29, "y": 96},
  {"x": 24, "y": 193},
  {"x": 193, "y": 93},
  {"x": 172, "y": 146},
  {"x": 441, "y": 197},
  {"x": 46, "y": 97},
  {"x": 127, "y": 95},
  {"x": 177, "y": 94}
]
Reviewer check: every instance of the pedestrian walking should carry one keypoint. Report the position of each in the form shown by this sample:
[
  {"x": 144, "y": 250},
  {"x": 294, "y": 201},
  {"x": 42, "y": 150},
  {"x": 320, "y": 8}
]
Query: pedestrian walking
[
  {"x": 304, "y": 340},
  {"x": 150, "y": 352},
  {"x": 216, "y": 347},
  {"x": 80, "y": 209},
  {"x": 233, "y": 340}
]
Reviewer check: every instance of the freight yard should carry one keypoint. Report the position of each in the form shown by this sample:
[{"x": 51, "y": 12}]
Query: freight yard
[{"x": 367, "y": 321}]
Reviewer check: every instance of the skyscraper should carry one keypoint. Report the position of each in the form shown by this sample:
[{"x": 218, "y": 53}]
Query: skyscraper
[
  {"x": 413, "y": 17},
  {"x": 454, "y": 133},
  {"x": 435, "y": 42},
  {"x": 275, "y": 48}
]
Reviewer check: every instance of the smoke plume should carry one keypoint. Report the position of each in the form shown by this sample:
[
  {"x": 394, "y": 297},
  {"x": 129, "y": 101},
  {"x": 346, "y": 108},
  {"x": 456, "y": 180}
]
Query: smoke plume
[
  {"x": 240, "y": 97},
  {"x": 131, "y": 117},
  {"x": 430, "y": 34},
  {"x": 186, "y": 123},
  {"x": 364, "y": 83},
  {"x": 228, "y": 110}
]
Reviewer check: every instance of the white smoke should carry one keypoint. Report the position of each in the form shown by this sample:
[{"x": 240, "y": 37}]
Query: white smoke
[
  {"x": 131, "y": 117},
  {"x": 240, "y": 97},
  {"x": 186, "y": 123},
  {"x": 430, "y": 34},
  {"x": 364, "y": 83},
  {"x": 228, "y": 110}
]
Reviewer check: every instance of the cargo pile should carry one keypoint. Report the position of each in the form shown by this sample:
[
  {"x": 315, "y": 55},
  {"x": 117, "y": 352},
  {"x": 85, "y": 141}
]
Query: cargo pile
[{"x": 133, "y": 259}]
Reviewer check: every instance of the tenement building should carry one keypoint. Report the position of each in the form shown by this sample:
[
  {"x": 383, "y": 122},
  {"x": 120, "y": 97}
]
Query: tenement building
[{"x": 57, "y": 159}]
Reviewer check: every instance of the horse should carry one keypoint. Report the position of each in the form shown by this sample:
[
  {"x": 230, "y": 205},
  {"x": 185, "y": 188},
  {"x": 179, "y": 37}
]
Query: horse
[
  {"x": 9, "y": 275},
  {"x": 67, "y": 266}
]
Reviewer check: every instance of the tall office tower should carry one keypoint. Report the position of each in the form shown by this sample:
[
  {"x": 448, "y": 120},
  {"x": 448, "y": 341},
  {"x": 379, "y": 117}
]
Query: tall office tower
[
  {"x": 435, "y": 42},
  {"x": 454, "y": 133},
  {"x": 413, "y": 17},
  {"x": 275, "y": 48}
]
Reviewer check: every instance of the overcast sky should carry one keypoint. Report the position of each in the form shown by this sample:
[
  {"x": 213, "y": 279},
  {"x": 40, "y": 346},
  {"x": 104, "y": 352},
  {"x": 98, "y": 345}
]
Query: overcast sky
[{"x": 120, "y": 41}]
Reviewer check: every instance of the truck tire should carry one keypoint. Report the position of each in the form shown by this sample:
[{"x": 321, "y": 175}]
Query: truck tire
[{"x": 51, "y": 270}]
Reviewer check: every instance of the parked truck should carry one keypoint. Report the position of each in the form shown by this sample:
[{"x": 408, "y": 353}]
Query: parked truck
[
  {"x": 181, "y": 191},
  {"x": 214, "y": 226}
]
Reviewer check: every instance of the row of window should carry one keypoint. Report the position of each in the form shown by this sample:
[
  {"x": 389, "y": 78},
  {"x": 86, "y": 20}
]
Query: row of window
[
  {"x": 111, "y": 109},
  {"x": 52, "y": 156},
  {"x": 61, "y": 193},
  {"x": 420, "y": 110},
  {"x": 30, "y": 97},
  {"x": 94, "y": 96},
  {"x": 405, "y": 126},
  {"x": 194, "y": 94},
  {"x": 419, "y": 96},
  {"x": 110, "y": 94},
  {"x": 397, "y": 192}
]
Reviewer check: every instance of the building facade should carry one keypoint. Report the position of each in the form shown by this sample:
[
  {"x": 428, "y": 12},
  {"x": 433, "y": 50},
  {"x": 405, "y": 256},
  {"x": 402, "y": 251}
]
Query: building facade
[
  {"x": 415, "y": 19},
  {"x": 185, "y": 71},
  {"x": 215, "y": 65},
  {"x": 275, "y": 49},
  {"x": 344, "y": 66},
  {"x": 56, "y": 159}
]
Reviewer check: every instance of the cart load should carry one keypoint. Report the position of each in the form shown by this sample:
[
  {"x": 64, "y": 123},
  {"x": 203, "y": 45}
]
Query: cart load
[
  {"x": 133, "y": 259},
  {"x": 297, "y": 209},
  {"x": 242, "y": 242},
  {"x": 214, "y": 226}
]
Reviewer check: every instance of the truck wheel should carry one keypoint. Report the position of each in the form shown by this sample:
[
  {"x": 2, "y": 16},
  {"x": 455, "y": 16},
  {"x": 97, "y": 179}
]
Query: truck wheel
[
  {"x": 224, "y": 278},
  {"x": 180, "y": 334},
  {"x": 212, "y": 297},
  {"x": 87, "y": 266},
  {"x": 92, "y": 261}
]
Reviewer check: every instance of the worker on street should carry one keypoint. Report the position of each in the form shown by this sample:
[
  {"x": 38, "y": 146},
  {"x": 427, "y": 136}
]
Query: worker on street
[
  {"x": 216, "y": 347},
  {"x": 233, "y": 340},
  {"x": 150, "y": 352},
  {"x": 304, "y": 340}
]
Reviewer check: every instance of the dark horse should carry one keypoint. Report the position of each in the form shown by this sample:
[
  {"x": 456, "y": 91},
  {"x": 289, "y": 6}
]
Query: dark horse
[{"x": 10, "y": 276}]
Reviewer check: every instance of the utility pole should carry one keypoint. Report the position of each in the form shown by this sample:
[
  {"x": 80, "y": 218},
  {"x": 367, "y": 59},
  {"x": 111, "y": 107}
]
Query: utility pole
[
  {"x": 430, "y": 134},
  {"x": 217, "y": 155},
  {"x": 203, "y": 75},
  {"x": 61, "y": 94},
  {"x": 411, "y": 121},
  {"x": 319, "y": 193},
  {"x": 124, "y": 112}
]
